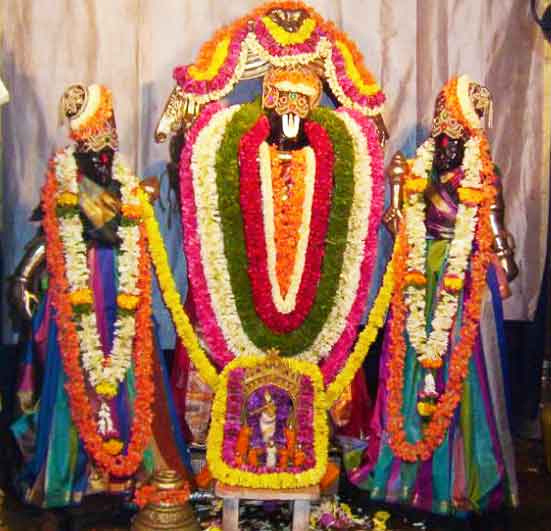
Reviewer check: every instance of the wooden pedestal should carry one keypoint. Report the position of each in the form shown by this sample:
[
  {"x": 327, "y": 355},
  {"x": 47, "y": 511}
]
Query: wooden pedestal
[{"x": 301, "y": 499}]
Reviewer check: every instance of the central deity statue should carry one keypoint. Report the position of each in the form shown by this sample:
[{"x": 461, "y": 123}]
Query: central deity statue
[{"x": 281, "y": 202}]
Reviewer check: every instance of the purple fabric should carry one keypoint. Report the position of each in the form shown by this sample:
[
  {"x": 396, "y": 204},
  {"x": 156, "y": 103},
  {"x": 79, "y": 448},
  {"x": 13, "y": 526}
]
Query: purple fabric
[{"x": 441, "y": 218}]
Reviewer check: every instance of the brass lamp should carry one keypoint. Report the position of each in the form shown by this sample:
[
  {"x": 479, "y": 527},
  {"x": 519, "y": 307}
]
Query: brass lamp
[{"x": 166, "y": 516}]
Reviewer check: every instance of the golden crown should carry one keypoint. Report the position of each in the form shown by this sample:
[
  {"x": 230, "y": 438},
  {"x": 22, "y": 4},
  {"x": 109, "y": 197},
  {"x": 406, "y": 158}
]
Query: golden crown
[{"x": 272, "y": 370}]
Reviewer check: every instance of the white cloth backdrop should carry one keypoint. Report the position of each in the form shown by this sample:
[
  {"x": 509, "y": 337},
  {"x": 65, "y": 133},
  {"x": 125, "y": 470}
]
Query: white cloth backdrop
[{"x": 413, "y": 47}]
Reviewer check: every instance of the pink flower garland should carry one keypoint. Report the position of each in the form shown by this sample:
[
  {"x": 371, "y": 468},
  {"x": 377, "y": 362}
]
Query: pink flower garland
[
  {"x": 336, "y": 360},
  {"x": 211, "y": 332},
  {"x": 224, "y": 76},
  {"x": 253, "y": 222},
  {"x": 348, "y": 86}
]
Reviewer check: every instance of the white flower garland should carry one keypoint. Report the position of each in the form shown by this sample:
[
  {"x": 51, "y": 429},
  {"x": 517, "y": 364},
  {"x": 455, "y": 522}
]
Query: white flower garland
[
  {"x": 434, "y": 347},
  {"x": 323, "y": 48},
  {"x": 78, "y": 275},
  {"x": 286, "y": 304}
]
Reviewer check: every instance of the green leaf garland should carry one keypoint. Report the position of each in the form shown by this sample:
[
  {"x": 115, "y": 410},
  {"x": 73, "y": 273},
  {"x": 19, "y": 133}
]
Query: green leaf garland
[{"x": 227, "y": 172}]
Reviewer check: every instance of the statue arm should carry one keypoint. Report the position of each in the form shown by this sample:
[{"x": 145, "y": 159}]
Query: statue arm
[
  {"x": 21, "y": 283},
  {"x": 504, "y": 244}
]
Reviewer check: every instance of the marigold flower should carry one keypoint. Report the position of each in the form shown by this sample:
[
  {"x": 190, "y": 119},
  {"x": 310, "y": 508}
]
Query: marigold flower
[
  {"x": 81, "y": 296},
  {"x": 415, "y": 278},
  {"x": 113, "y": 446},
  {"x": 415, "y": 185},
  {"x": 106, "y": 389},
  {"x": 127, "y": 302},
  {"x": 471, "y": 196},
  {"x": 453, "y": 283},
  {"x": 130, "y": 211},
  {"x": 67, "y": 199},
  {"x": 426, "y": 409}
]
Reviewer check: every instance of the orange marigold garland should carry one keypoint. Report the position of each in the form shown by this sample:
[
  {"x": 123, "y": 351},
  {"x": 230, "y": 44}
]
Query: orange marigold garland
[
  {"x": 120, "y": 465},
  {"x": 436, "y": 428}
]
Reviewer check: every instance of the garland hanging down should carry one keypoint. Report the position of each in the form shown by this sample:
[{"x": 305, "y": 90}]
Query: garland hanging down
[
  {"x": 225, "y": 234},
  {"x": 78, "y": 335},
  {"x": 470, "y": 246}
]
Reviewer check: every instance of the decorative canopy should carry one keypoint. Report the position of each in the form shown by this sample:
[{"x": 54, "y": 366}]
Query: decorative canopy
[{"x": 281, "y": 34}]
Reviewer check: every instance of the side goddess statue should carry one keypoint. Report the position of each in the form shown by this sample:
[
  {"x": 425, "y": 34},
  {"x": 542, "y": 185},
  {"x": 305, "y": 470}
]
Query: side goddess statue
[
  {"x": 99, "y": 418},
  {"x": 440, "y": 438}
]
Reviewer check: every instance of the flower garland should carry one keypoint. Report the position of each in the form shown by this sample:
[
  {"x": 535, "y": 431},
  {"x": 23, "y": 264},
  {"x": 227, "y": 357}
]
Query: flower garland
[
  {"x": 216, "y": 441},
  {"x": 222, "y": 60},
  {"x": 430, "y": 350},
  {"x": 207, "y": 284},
  {"x": 287, "y": 214},
  {"x": 106, "y": 453},
  {"x": 171, "y": 296},
  {"x": 337, "y": 380},
  {"x": 104, "y": 374},
  {"x": 258, "y": 227},
  {"x": 370, "y": 155},
  {"x": 440, "y": 414},
  {"x": 212, "y": 79}
]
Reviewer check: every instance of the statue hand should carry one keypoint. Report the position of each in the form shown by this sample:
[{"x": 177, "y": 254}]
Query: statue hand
[
  {"x": 152, "y": 187},
  {"x": 23, "y": 300},
  {"x": 504, "y": 248},
  {"x": 509, "y": 266},
  {"x": 392, "y": 219}
]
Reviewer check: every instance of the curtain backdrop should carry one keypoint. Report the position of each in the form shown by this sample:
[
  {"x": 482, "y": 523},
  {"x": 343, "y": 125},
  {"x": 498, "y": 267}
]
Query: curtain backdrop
[{"x": 412, "y": 46}]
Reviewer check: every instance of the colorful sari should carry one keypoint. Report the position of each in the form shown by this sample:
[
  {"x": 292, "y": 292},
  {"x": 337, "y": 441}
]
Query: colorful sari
[
  {"x": 56, "y": 470},
  {"x": 473, "y": 469}
]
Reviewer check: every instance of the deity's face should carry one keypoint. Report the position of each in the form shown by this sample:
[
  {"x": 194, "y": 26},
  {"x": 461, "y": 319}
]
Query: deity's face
[
  {"x": 288, "y": 96},
  {"x": 448, "y": 153},
  {"x": 96, "y": 164}
]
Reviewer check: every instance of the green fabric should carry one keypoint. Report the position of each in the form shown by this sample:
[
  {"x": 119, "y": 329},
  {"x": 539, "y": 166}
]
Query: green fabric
[
  {"x": 227, "y": 172},
  {"x": 62, "y": 457},
  {"x": 148, "y": 459}
]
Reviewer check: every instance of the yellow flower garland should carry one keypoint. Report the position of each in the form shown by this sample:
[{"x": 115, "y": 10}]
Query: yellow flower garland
[
  {"x": 353, "y": 72},
  {"x": 286, "y": 38},
  {"x": 172, "y": 297},
  {"x": 283, "y": 480},
  {"x": 365, "y": 339},
  {"x": 218, "y": 59}
]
